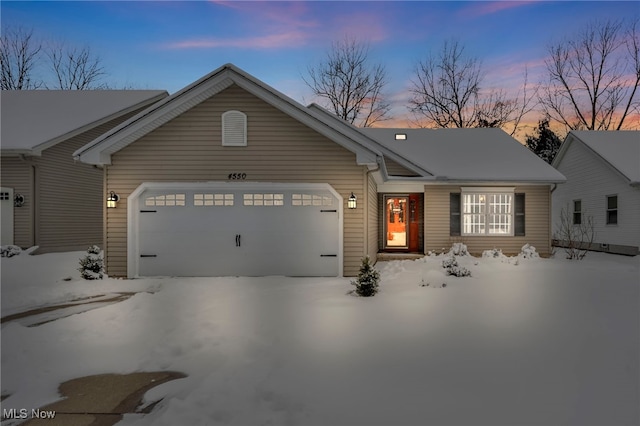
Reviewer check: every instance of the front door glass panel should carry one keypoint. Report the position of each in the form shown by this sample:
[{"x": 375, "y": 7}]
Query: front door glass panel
[{"x": 397, "y": 215}]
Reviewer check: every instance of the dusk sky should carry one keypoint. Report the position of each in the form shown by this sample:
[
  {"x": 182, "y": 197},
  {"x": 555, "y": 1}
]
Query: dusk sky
[{"x": 168, "y": 45}]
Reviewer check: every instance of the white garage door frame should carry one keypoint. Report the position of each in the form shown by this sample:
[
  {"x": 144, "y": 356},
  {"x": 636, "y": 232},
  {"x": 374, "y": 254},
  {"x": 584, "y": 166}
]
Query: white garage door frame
[{"x": 134, "y": 204}]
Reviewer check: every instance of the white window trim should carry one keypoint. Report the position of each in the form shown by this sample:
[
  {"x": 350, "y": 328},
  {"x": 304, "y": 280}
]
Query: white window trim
[
  {"x": 487, "y": 191},
  {"x": 243, "y": 142}
]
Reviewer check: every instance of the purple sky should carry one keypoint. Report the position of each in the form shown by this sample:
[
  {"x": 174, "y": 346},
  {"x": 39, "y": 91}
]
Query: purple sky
[{"x": 167, "y": 45}]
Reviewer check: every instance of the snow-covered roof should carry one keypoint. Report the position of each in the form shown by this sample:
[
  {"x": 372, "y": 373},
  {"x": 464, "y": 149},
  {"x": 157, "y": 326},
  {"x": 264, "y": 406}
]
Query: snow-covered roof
[
  {"x": 621, "y": 149},
  {"x": 33, "y": 120},
  {"x": 478, "y": 154}
]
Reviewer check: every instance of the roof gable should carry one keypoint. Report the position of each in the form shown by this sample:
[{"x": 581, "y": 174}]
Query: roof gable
[
  {"x": 100, "y": 150},
  {"x": 34, "y": 120},
  {"x": 619, "y": 149}
]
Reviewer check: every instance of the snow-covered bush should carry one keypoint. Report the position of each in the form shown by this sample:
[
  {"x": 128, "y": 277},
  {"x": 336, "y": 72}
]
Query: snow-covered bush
[
  {"x": 92, "y": 265},
  {"x": 492, "y": 254},
  {"x": 9, "y": 251},
  {"x": 528, "y": 252},
  {"x": 459, "y": 249},
  {"x": 450, "y": 264},
  {"x": 368, "y": 279}
]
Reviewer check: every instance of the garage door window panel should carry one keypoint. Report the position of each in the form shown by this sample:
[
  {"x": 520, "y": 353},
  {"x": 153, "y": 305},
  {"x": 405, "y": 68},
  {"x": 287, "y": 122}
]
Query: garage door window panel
[
  {"x": 204, "y": 200},
  {"x": 311, "y": 200},
  {"x": 269, "y": 200},
  {"x": 168, "y": 200}
]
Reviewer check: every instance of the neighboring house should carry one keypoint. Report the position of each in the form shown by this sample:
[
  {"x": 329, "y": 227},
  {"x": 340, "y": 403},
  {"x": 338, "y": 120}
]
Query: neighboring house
[
  {"x": 49, "y": 199},
  {"x": 231, "y": 177},
  {"x": 603, "y": 182}
]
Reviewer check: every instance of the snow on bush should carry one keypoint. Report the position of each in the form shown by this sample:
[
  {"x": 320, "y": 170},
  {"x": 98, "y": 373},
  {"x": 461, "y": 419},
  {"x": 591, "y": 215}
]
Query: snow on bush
[
  {"x": 450, "y": 264},
  {"x": 494, "y": 253},
  {"x": 528, "y": 252},
  {"x": 459, "y": 249},
  {"x": 92, "y": 265},
  {"x": 9, "y": 251},
  {"x": 368, "y": 279}
]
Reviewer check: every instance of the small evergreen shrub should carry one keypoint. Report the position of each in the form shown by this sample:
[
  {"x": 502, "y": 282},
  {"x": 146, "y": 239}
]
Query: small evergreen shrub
[
  {"x": 9, "y": 251},
  {"x": 92, "y": 265},
  {"x": 368, "y": 279}
]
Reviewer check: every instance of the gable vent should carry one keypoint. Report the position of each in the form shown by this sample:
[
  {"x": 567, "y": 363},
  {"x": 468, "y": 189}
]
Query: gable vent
[{"x": 234, "y": 128}]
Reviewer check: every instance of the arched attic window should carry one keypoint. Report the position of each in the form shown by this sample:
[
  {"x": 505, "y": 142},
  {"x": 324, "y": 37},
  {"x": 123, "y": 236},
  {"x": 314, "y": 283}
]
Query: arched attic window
[{"x": 234, "y": 128}]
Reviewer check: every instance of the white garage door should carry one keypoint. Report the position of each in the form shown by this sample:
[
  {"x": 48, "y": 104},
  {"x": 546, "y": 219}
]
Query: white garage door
[{"x": 238, "y": 229}]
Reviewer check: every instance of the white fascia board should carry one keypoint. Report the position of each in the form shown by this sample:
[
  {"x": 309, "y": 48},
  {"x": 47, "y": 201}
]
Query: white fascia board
[{"x": 467, "y": 182}]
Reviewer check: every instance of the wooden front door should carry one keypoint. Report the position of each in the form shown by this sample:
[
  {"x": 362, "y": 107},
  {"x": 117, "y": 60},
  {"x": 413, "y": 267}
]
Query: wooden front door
[{"x": 403, "y": 222}]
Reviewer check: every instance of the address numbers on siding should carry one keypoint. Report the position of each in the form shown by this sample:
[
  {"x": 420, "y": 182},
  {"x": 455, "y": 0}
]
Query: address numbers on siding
[{"x": 237, "y": 176}]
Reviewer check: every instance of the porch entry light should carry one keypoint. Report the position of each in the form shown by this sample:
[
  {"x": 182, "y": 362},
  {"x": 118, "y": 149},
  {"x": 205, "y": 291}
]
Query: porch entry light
[
  {"x": 112, "y": 200},
  {"x": 351, "y": 202}
]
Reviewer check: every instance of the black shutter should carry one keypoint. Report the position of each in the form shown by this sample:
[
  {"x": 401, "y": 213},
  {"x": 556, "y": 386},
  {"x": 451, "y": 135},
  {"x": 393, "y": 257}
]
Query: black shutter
[
  {"x": 519, "y": 218},
  {"x": 454, "y": 214}
]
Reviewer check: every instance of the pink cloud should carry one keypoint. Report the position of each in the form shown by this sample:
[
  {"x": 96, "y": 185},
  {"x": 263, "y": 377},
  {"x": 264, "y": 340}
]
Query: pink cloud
[
  {"x": 270, "y": 41},
  {"x": 488, "y": 8}
]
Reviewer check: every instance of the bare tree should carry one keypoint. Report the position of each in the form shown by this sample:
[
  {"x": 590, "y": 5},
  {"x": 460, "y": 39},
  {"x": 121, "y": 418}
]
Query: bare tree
[
  {"x": 75, "y": 69},
  {"x": 352, "y": 86},
  {"x": 447, "y": 92},
  {"x": 575, "y": 234},
  {"x": 593, "y": 78},
  {"x": 19, "y": 55}
]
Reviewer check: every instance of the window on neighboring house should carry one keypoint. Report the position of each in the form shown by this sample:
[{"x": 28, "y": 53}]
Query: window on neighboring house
[
  {"x": 234, "y": 128},
  {"x": 487, "y": 213},
  {"x": 577, "y": 212},
  {"x": 612, "y": 209}
]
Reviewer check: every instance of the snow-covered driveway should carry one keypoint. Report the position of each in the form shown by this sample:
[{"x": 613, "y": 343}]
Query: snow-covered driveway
[{"x": 544, "y": 342}]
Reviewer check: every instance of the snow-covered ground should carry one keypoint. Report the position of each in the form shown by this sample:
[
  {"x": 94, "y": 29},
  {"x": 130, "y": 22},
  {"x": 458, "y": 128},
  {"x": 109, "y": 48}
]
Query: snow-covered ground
[{"x": 537, "y": 341}]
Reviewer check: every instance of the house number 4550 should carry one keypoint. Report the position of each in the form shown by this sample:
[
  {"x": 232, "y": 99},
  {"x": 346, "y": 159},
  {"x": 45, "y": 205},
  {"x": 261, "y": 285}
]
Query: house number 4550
[{"x": 237, "y": 176}]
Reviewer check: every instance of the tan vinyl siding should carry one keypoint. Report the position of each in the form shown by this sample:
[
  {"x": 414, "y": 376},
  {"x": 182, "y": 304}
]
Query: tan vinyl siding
[
  {"x": 68, "y": 211},
  {"x": 189, "y": 148},
  {"x": 395, "y": 169},
  {"x": 537, "y": 223},
  {"x": 18, "y": 174},
  {"x": 372, "y": 218}
]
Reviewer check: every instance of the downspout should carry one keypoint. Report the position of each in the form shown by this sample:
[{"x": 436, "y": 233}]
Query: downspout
[
  {"x": 366, "y": 211},
  {"x": 553, "y": 188}
]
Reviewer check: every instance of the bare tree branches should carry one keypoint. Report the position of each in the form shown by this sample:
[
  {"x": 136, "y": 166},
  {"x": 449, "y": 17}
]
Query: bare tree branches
[
  {"x": 19, "y": 54},
  {"x": 75, "y": 69},
  {"x": 352, "y": 87},
  {"x": 69, "y": 68},
  {"x": 447, "y": 91},
  {"x": 593, "y": 78}
]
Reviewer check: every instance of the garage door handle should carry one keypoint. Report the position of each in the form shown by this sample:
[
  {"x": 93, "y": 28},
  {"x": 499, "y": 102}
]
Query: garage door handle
[{"x": 238, "y": 240}]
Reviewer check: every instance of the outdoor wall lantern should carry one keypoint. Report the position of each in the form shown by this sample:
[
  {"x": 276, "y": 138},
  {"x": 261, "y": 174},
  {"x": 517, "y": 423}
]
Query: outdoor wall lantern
[
  {"x": 112, "y": 200},
  {"x": 18, "y": 200},
  {"x": 351, "y": 202}
]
